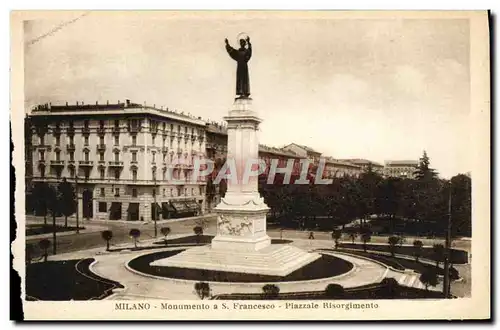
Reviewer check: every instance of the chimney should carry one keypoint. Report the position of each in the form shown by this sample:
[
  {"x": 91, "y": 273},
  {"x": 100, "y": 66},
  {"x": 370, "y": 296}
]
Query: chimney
[
  {"x": 96, "y": 103},
  {"x": 76, "y": 102},
  {"x": 107, "y": 102},
  {"x": 127, "y": 102},
  {"x": 66, "y": 103}
]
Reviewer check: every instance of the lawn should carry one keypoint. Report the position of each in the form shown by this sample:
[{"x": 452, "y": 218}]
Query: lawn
[
  {"x": 66, "y": 280},
  {"x": 39, "y": 229},
  {"x": 326, "y": 266},
  {"x": 457, "y": 256}
]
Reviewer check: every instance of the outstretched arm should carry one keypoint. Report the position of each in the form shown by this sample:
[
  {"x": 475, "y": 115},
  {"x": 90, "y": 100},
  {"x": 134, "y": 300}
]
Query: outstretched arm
[
  {"x": 249, "y": 51},
  {"x": 231, "y": 51}
]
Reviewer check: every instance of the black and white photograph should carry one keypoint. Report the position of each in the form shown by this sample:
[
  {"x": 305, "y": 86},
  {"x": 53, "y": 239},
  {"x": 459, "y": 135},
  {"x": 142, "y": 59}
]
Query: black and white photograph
[{"x": 252, "y": 164}]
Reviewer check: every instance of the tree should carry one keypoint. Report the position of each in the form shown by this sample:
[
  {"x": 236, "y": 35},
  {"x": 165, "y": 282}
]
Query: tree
[
  {"x": 461, "y": 205},
  {"x": 366, "y": 236},
  {"x": 390, "y": 288},
  {"x": 135, "y": 234},
  {"x": 44, "y": 245},
  {"x": 202, "y": 290},
  {"x": 418, "y": 247},
  {"x": 53, "y": 205},
  {"x": 429, "y": 278},
  {"x": 39, "y": 194},
  {"x": 393, "y": 242},
  {"x": 198, "y": 231},
  {"x": 165, "y": 231},
  {"x": 270, "y": 291},
  {"x": 353, "y": 235},
  {"x": 107, "y": 235},
  {"x": 438, "y": 251},
  {"x": 336, "y": 235},
  {"x": 424, "y": 171},
  {"x": 68, "y": 200},
  {"x": 334, "y": 291}
]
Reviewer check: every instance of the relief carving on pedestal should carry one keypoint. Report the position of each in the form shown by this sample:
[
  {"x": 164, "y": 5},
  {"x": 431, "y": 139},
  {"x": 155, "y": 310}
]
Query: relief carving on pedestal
[{"x": 227, "y": 227}]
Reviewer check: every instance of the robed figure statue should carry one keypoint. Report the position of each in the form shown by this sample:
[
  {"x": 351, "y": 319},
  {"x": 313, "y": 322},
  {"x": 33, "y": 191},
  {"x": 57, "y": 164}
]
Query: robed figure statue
[{"x": 242, "y": 56}]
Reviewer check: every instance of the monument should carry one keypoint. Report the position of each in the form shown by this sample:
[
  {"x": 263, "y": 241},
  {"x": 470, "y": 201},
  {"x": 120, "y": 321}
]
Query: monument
[{"x": 242, "y": 244}]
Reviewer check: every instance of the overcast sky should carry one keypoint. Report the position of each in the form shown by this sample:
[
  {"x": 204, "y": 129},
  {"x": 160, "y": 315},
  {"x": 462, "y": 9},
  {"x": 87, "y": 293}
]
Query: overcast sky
[{"x": 375, "y": 89}]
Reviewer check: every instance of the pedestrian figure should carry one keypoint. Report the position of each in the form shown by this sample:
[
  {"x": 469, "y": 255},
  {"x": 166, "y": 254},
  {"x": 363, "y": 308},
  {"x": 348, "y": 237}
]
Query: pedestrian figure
[{"x": 311, "y": 235}]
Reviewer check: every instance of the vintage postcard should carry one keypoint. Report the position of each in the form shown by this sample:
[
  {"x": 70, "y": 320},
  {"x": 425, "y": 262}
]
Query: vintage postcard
[{"x": 262, "y": 165}]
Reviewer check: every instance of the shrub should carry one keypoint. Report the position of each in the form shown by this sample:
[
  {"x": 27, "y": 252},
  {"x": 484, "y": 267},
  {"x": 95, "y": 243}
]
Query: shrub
[
  {"x": 429, "y": 278},
  {"x": 202, "y": 290},
  {"x": 107, "y": 235},
  {"x": 270, "y": 291},
  {"x": 418, "y": 245},
  {"x": 336, "y": 235},
  {"x": 438, "y": 250},
  {"x": 393, "y": 242},
  {"x": 135, "y": 234},
  {"x": 389, "y": 288},
  {"x": 44, "y": 245},
  {"x": 165, "y": 231},
  {"x": 334, "y": 291},
  {"x": 198, "y": 231}
]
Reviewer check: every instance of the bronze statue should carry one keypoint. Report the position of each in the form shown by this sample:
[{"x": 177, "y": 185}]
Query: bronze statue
[{"x": 242, "y": 56}]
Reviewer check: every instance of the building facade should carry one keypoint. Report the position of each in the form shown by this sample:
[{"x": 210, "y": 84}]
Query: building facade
[
  {"x": 400, "y": 168},
  {"x": 335, "y": 168},
  {"x": 304, "y": 152},
  {"x": 127, "y": 161},
  {"x": 365, "y": 163}
]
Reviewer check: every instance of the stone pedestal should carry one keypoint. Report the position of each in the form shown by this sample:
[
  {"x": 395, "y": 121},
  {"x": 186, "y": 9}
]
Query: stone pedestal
[{"x": 241, "y": 244}]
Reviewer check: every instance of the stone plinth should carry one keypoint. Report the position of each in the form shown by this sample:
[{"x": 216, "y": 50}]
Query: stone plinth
[{"x": 273, "y": 260}]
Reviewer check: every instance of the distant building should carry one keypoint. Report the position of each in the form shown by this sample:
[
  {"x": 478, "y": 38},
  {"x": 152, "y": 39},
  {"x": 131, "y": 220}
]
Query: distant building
[
  {"x": 304, "y": 152},
  {"x": 119, "y": 154},
  {"x": 401, "y": 168},
  {"x": 336, "y": 168},
  {"x": 364, "y": 163}
]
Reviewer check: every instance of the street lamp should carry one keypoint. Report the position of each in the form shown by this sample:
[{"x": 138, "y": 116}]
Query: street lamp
[
  {"x": 76, "y": 201},
  {"x": 155, "y": 213}
]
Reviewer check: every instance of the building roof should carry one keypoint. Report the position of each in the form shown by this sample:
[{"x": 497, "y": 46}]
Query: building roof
[
  {"x": 306, "y": 148},
  {"x": 401, "y": 163},
  {"x": 277, "y": 151},
  {"x": 360, "y": 161},
  {"x": 330, "y": 160},
  {"x": 216, "y": 128},
  {"x": 126, "y": 107}
]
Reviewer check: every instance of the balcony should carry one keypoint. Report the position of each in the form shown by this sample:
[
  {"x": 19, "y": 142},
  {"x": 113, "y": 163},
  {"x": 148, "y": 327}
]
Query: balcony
[
  {"x": 134, "y": 161},
  {"x": 101, "y": 147},
  {"x": 134, "y": 129},
  {"x": 86, "y": 130},
  {"x": 115, "y": 163},
  {"x": 116, "y": 130},
  {"x": 70, "y": 130},
  {"x": 57, "y": 163},
  {"x": 86, "y": 163},
  {"x": 101, "y": 162},
  {"x": 179, "y": 150},
  {"x": 56, "y": 130},
  {"x": 101, "y": 130},
  {"x": 164, "y": 149},
  {"x": 71, "y": 147}
]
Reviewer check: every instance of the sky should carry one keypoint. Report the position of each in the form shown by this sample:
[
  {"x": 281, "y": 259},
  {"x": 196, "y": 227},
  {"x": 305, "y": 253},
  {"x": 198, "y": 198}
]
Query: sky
[{"x": 379, "y": 89}]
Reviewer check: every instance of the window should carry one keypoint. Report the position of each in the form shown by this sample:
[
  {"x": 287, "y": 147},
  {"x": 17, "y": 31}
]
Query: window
[
  {"x": 101, "y": 123},
  {"x": 103, "y": 173},
  {"x": 179, "y": 191},
  {"x": 134, "y": 192},
  {"x": 58, "y": 173},
  {"x": 171, "y": 192},
  {"x": 154, "y": 174},
  {"x": 201, "y": 190},
  {"x": 117, "y": 192},
  {"x": 86, "y": 123},
  {"x": 42, "y": 155},
  {"x": 117, "y": 140},
  {"x": 163, "y": 142},
  {"x": 58, "y": 140},
  {"x": 72, "y": 156},
  {"x": 86, "y": 140},
  {"x": 154, "y": 192},
  {"x": 101, "y": 140},
  {"x": 103, "y": 193},
  {"x": 185, "y": 191},
  {"x": 134, "y": 156},
  {"x": 71, "y": 172},
  {"x": 58, "y": 155},
  {"x": 134, "y": 175},
  {"x": 101, "y": 156},
  {"x": 164, "y": 192},
  {"x": 86, "y": 156},
  {"x": 192, "y": 191},
  {"x": 42, "y": 139},
  {"x": 171, "y": 127},
  {"x": 117, "y": 123},
  {"x": 87, "y": 174},
  {"x": 185, "y": 130},
  {"x": 71, "y": 140},
  {"x": 154, "y": 157},
  {"x": 117, "y": 174},
  {"x": 117, "y": 156},
  {"x": 103, "y": 207},
  {"x": 42, "y": 171},
  {"x": 164, "y": 157},
  {"x": 134, "y": 140}
]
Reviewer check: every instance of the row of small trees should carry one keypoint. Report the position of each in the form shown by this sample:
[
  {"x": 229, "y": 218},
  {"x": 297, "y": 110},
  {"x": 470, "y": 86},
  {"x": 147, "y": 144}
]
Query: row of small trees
[
  {"x": 389, "y": 288},
  {"x": 53, "y": 200}
]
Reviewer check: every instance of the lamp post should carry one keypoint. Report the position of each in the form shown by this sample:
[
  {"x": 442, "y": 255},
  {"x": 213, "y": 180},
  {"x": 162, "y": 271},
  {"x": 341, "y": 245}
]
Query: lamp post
[
  {"x": 155, "y": 213},
  {"x": 76, "y": 200},
  {"x": 446, "y": 282}
]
